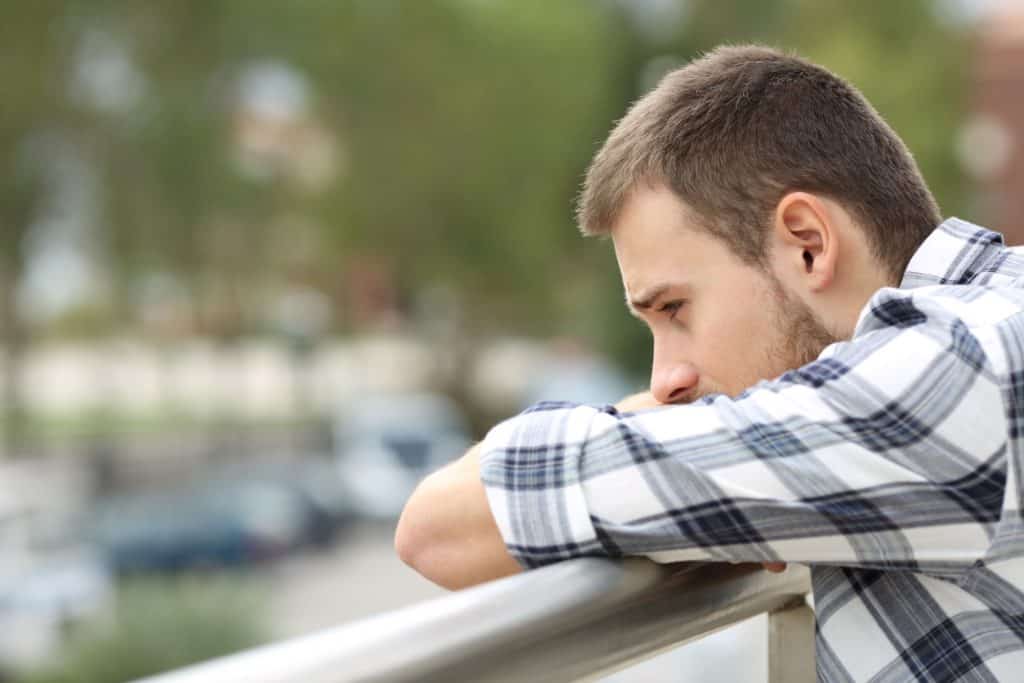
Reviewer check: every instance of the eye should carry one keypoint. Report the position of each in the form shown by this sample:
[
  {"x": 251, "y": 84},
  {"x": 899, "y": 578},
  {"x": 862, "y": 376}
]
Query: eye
[{"x": 671, "y": 307}]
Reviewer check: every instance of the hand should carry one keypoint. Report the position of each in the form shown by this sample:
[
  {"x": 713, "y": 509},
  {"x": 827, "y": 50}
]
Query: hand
[
  {"x": 774, "y": 567},
  {"x": 641, "y": 401}
]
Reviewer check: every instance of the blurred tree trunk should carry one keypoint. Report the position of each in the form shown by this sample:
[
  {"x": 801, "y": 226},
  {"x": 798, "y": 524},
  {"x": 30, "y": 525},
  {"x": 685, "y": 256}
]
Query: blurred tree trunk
[
  {"x": 33, "y": 69},
  {"x": 12, "y": 343},
  {"x": 19, "y": 202}
]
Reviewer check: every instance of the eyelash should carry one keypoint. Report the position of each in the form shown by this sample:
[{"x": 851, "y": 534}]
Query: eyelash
[{"x": 671, "y": 307}]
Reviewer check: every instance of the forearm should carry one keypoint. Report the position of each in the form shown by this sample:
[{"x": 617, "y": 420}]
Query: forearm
[
  {"x": 774, "y": 475},
  {"x": 447, "y": 532}
]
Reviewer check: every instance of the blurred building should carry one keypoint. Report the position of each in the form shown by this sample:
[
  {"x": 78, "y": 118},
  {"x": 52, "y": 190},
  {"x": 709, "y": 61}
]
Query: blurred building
[{"x": 992, "y": 146}]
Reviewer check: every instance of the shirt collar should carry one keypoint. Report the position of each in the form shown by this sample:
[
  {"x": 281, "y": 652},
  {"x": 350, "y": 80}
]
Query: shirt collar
[{"x": 954, "y": 253}]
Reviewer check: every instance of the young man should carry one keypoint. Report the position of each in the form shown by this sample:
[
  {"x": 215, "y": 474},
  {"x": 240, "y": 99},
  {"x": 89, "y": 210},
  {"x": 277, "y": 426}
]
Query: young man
[{"x": 838, "y": 380}]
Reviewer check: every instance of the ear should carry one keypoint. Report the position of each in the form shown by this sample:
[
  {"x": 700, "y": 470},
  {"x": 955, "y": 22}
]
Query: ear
[{"x": 807, "y": 240}]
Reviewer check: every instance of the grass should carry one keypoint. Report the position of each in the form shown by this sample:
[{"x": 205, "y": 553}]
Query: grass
[{"x": 158, "y": 625}]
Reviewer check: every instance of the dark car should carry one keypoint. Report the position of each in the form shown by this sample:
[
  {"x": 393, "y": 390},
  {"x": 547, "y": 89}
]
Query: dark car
[{"x": 220, "y": 523}]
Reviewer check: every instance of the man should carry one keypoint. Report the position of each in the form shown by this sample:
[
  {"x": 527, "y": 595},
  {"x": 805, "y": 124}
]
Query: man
[{"x": 837, "y": 380}]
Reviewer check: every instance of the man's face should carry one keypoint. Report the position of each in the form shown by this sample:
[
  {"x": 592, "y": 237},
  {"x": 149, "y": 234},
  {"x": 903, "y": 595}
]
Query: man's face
[{"x": 719, "y": 324}]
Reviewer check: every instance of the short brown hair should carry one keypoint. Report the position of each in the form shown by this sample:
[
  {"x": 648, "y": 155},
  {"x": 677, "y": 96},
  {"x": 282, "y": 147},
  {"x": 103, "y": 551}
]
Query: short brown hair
[{"x": 732, "y": 132}]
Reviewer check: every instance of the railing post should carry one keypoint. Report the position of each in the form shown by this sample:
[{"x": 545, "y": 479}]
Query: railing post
[{"x": 791, "y": 645}]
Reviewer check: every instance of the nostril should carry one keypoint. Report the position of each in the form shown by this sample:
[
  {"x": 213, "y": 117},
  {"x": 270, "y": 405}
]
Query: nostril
[{"x": 674, "y": 381}]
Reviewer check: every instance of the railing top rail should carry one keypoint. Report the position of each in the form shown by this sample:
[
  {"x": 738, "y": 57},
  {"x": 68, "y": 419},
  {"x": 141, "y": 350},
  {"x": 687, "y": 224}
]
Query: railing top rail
[{"x": 571, "y": 620}]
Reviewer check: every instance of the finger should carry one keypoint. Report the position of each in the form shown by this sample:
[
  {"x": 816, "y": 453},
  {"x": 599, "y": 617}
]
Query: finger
[{"x": 775, "y": 567}]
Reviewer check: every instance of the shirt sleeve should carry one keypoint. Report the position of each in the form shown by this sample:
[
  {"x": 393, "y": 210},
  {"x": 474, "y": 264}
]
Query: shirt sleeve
[{"x": 888, "y": 451}]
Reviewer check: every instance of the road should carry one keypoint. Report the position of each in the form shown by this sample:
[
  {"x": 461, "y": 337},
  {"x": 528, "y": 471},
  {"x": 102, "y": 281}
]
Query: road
[{"x": 358, "y": 577}]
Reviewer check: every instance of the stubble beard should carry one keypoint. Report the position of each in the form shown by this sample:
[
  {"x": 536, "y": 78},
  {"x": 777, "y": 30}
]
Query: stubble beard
[
  {"x": 801, "y": 335},
  {"x": 797, "y": 338}
]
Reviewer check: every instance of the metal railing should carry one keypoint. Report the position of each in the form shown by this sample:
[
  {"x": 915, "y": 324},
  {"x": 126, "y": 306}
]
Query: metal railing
[{"x": 575, "y": 620}]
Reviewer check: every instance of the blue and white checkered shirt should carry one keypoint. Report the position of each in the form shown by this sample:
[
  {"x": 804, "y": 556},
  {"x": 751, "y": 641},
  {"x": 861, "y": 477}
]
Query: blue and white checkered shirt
[{"x": 891, "y": 465}]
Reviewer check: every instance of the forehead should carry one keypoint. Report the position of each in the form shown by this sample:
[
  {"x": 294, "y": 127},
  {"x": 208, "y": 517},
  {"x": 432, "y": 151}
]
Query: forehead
[{"x": 656, "y": 240}]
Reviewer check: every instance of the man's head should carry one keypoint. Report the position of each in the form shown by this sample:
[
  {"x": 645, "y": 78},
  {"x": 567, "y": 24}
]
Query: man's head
[{"x": 756, "y": 201}]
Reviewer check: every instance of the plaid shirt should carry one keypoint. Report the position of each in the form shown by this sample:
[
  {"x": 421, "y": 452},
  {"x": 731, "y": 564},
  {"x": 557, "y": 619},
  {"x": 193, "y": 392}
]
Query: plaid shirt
[{"x": 890, "y": 465}]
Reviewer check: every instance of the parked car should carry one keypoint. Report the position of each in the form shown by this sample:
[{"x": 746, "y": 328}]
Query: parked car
[
  {"x": 571, "y": 373},
  {"x": 386, "y": 443},
  {"x": 314, "y": 481},
  {"x": 218, "y": 523}
]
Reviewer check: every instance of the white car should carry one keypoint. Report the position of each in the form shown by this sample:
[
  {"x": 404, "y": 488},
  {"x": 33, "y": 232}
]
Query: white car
[
  {"x": 45, "y": 587},
  {"x": 385, "y": 444}
]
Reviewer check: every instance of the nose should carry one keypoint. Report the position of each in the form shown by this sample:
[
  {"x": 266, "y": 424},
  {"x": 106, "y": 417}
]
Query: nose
[{"x": 673, "y": 381}]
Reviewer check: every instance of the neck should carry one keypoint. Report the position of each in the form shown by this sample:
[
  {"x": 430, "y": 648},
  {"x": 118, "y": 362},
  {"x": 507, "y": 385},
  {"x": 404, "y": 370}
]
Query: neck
[{"x": 852, "y": 299}]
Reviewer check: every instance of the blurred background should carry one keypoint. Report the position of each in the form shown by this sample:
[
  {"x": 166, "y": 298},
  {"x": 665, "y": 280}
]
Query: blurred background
[{"x": 266, "y": 264}]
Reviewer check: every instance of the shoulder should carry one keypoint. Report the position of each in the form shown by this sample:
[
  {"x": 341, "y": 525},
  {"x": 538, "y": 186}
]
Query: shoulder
[
  {"x": 901, "y": 329},
  {"x": 973, "y": 305}
]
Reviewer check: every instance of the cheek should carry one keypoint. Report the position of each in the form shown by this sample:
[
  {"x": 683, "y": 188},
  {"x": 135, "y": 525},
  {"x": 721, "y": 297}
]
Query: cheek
[
  {"x": 733, "y": 338},
  {"x": 711, "y": 342}
]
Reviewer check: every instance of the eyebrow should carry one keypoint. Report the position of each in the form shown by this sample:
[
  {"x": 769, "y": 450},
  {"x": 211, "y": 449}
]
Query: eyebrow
[{"x": 646, "y": 299}]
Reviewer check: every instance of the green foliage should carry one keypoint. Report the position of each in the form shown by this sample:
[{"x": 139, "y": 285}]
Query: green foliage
[
  {"x": 462, "y": 131},
  {"x": 159, "y": 625},
  {"x": 907, "y": 61}
]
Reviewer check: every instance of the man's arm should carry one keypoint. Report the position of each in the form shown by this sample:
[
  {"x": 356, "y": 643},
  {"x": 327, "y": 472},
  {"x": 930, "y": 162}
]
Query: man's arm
[
  {"x": 889, "y": 452},
  {"x": 447, "y": 532}
]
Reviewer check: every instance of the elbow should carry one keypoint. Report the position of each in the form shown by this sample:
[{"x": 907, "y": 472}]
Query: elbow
[
  {"x": 412, "y": 532},
  {"x": 419, "y": 536},
  {"x": 447, "y": 532},
  {"x": 405, "y": 543}
]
